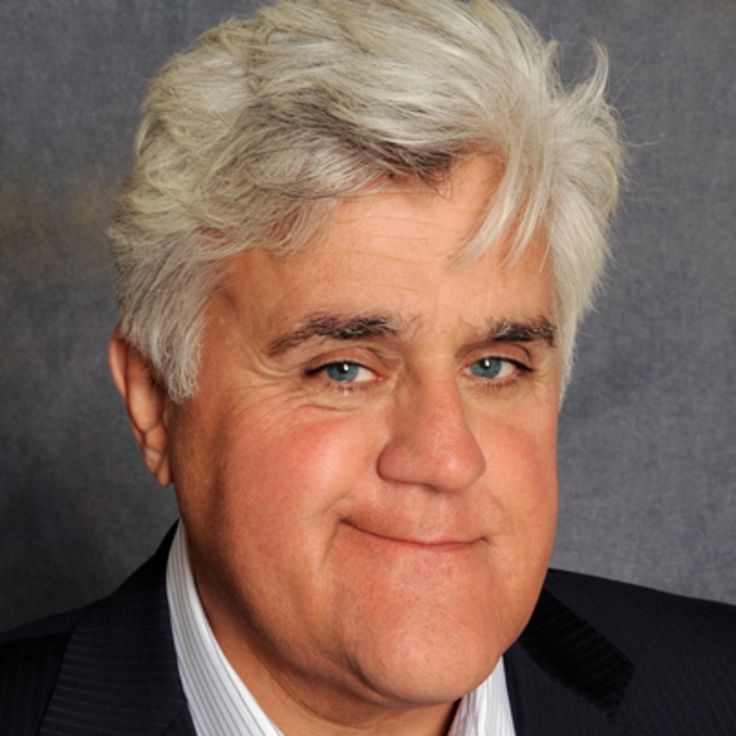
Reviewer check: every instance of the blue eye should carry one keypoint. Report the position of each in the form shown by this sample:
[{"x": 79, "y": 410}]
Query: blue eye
[
  {"x": 343, "y": 372},
  {"x": 488, "y": 367}
]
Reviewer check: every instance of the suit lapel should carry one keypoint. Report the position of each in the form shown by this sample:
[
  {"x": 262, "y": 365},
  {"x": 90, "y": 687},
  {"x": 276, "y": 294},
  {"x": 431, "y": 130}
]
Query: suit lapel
[
  {"x": 564, "y": 677},
  {"x": 119, "y": 675}
]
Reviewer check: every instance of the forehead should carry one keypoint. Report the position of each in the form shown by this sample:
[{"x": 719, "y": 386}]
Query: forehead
[
  {"x": 410, "y": 209},
  {"x": 394, "y": 252}
]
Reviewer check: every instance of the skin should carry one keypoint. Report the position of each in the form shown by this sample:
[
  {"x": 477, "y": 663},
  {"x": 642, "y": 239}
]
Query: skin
[{"x": 367, "y": 540}]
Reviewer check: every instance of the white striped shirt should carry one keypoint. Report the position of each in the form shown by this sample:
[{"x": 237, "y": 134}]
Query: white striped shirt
[{"x": 221, "y": 704}]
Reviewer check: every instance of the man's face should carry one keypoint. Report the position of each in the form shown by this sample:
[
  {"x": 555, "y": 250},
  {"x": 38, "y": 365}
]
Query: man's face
[{"x": 367, "y": 473}]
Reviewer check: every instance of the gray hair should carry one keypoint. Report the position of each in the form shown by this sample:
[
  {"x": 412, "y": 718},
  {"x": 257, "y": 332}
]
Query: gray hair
[{"x": 251, "y": 138}]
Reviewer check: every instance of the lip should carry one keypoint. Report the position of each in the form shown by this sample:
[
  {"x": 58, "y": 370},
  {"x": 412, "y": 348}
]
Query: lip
[{"x": 436, "y": 545}]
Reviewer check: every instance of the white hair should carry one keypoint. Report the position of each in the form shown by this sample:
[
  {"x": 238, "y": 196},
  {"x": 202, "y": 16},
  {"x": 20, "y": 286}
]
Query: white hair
[{"x": 252, "y": 137}]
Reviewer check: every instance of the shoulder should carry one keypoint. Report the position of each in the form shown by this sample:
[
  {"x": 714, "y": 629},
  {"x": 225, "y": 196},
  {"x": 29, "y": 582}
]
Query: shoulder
[
  {"x": 103, "y": 668},
  {"x": 641, "y": 616},
  {"x": 683, "y": 651},
  {"x": 30, "y": 660}
]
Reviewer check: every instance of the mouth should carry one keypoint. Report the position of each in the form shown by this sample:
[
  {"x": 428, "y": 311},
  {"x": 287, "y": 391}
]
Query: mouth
[{"x": 440, "y": 544}]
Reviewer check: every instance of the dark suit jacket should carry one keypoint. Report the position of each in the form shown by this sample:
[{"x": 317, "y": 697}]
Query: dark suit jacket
[{"x": 597, "y": 658}]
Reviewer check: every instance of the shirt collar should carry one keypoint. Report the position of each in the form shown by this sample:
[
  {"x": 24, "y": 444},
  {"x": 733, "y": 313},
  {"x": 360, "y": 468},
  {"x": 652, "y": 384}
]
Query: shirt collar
[{"x": 221, "y": 704}]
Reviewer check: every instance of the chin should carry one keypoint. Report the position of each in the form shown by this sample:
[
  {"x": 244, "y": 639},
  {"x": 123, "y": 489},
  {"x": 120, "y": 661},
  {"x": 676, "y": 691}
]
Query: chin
[
  {"x": 431, "y": 681},
  {"x": 428, "y": 662}
]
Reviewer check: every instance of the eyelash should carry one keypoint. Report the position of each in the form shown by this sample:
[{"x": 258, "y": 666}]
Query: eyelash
[
  {"x": 350, "y": 386},
  {"x": 319, "y": 372},
  {"x": 517, "y": 366}
]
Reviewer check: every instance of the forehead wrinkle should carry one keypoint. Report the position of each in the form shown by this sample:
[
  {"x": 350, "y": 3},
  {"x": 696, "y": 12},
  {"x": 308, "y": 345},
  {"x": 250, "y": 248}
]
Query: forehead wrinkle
[{"x": 381, "y": 223}]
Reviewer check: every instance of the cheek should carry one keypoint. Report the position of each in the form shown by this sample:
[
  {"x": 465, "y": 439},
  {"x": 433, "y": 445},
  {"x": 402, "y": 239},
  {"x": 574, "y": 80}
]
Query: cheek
[
  {"x": 286, "y": 483},
  {"x": 522, "y": 480}
]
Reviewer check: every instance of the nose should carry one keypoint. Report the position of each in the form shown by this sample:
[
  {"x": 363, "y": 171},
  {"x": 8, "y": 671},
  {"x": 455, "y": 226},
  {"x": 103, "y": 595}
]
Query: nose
[{"x": 431, "y": 443}]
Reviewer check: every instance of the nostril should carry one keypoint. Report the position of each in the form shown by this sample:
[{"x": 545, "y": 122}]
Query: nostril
[{"x": 436, "y": 449}]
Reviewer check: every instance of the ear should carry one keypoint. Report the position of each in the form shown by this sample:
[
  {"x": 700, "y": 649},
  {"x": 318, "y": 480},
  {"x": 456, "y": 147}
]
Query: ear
[{"x": 145, "y": 399}]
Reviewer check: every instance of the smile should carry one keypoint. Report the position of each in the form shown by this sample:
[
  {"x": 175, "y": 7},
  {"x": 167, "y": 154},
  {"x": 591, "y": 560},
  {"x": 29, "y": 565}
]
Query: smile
[{"x": 435, "y": 545}]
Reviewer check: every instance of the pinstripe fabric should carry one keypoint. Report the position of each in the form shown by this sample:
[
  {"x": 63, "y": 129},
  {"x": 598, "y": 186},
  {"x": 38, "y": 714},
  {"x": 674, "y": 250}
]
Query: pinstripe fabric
[
  {"x": 577, "y": 655},
  {"x": 543, "y": 706},
  {"x": 36, "y": 662},
  {"x": 221, "y": 704},
  {"x": 487, "y": 710},
  {"x": 597, "y": 659},
  {"x": 30, "y": 658},
  {"x": 677, "y": 678},
  {"x": 118, "y": 674},
  {"x": 684, "y": 651}
]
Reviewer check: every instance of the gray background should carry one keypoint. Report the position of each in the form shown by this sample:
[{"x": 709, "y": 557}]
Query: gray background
[{"x": 647, "y": 436}]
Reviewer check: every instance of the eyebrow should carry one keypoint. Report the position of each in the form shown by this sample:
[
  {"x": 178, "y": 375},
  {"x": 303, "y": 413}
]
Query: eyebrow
[
  {"x": 362, "y": 327},
  {"x": 525, "y": 331},
  {"x": 333, "y": 327}
]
